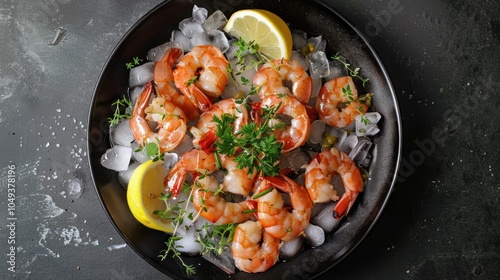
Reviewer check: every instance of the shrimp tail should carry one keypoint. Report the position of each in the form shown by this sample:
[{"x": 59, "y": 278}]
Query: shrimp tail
[
  {"x": 138, "y": 123},
  {"x": 344, "y": 204},
  {"x": 197, "y": 96},
  {"x": 174, "y": 181},
  {"x": 207, "y": 143}
]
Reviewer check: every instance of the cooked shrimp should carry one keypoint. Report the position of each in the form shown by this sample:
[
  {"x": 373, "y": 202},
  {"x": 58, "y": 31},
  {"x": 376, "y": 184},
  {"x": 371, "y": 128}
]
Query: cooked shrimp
[
  {"x": 237, "y": 181},
  {"x": 202, "y": 73},
  {"x": 171, "y": 121},
  {"x": 164, "y": 78},
  {"x": 213, "y": 207},
  {"x": 320, "y": 172},
  {"x": 194, "y": 161},
  {"x": 337, "y": 103},
  {"x": 254, "y": 250},
  {"x": 272, "y": 76},
  {"x": 272, "y": 213},
  {"x": 296, "y": 134},
  {"x": 204, "y": 132}
]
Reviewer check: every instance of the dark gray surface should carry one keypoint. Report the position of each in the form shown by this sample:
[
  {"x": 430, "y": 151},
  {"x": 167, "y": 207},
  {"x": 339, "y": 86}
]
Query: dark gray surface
[{"x": 441, "y": 222}]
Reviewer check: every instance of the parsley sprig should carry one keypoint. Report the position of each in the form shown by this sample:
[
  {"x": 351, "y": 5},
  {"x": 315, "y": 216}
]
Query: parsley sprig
[
  {"x": 120, "y": 105},
  {"x": 255, "y": 147},
  {"x": 352, "y": 72}
]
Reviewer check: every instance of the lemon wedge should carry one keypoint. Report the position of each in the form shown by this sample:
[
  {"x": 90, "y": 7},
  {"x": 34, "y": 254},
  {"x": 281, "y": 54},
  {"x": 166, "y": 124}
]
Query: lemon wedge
[
  {"x": 143, "y": 193},
  {"x": 266, "y": 29}
]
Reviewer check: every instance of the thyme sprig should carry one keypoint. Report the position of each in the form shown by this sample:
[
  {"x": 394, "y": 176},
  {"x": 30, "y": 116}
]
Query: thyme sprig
[
  {"x": 215, "y": 238},
  {"x": 176, "y": 214},
  {"x": 135, "y": 61},
  {"x": 120, "y": 105},
  {"x": 352, "y": 72}
]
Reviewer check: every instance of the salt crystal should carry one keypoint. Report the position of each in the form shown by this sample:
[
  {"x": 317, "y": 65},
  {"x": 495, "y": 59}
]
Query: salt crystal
[{"x": 74, "y": 188}]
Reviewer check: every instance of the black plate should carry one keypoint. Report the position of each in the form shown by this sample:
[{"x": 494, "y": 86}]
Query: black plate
[{"x": 313, "y": 17}]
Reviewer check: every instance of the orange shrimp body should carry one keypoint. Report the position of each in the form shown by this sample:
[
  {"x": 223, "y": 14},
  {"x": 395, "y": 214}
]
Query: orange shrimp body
[
  {"x": 163, "y": 78},
  {"x": 171, "y": 121},
  {"x": 335, "y": 93},
  {"x": 320, "y": 172},
  {"x": 271, "y": 79},
  {"x": 202, "y": 73},
  {"x": 254, "y": 249},
  {"x": 213, "y": 207},
  {"x": 273, "y": 215},
  {"x": 296, "y": 134}
]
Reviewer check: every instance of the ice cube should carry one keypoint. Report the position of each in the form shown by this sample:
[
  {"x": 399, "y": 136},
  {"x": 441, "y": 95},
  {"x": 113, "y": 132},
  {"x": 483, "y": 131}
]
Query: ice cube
[
  {"x": 185, "y": 146},
  {"x": 348, "y": 144},
  {"x": 199, "y": 14},
  {"x": 367, "y": 125},
  {"x": 299, "y": 38},
  {"x": 225, "y": 261},
  {"x": 121, "y": 134},
  {"x": 190, "y": 27},
  {"x": 314, "y": 235},
  {"x": 298, "y": 160},
  {"x": 317, "y": 130},
  {"x": 158, "y": 52},
  {"x": 335, "y": 71},
  {"x": 134, "y": 93},
  {"x": 215, "y": 21},
  {"x": 213, "y": 37},
  {"x": 230, "y": 91},
  {"x": 318, "y": 65},
  {"x": 359, "y": 152},
  {"x": 139, "y": 154},
  {"x": 187, "y": 244},
  {"x": 181, "y": 39},
  {"x": 325, "y": 218},
  {"x": 318, "y": 42},
  {"x": 297, "y": 56},
  {"x": 291, "y": 248},
  {"x": 169, "y": 160},
  {"x": 141, "y": 75},
  {"x": 117, "y": 158},
  {"x": 316, "y": 87},
  {"x": 124, "y": 176},
  {"x": 338, "y": 133}
]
